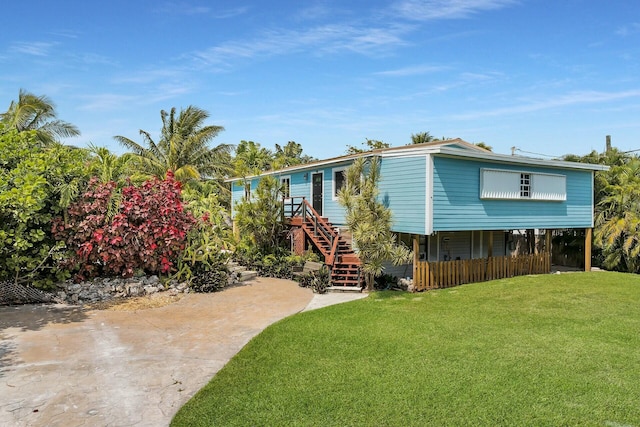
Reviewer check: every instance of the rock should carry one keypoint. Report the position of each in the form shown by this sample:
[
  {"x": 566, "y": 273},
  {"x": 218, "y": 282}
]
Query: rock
[
  {"x": 133, "y": 289},
  {"x": 74, "y": 288},
  {"x": 150, "y": 289},
  {"x": 173, "y": 292}
]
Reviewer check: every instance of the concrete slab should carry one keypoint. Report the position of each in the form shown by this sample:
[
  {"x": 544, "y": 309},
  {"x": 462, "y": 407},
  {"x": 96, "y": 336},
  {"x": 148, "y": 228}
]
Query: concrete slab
[
  {"x": 66, "y": 366},
  {"x": 331, "y": 298}
]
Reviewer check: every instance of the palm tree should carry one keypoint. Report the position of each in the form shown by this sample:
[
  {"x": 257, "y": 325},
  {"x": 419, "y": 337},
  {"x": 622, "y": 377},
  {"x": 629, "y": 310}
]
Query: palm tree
[
  {"x": 107, "y": 166},
  {"x": 31, "y": 112},
  {"x": 422, "y": 138},
  {"x": 251, "y": 159},
  {"x": 617, "y": 217},
  {"x": 183, "y": 147},
  {"x": 289, "y": 155}
]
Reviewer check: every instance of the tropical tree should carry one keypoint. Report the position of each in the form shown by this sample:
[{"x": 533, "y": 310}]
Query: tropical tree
[
  {"x": 422, "y": 138},
  {"x": 369, "y": 144},
  {"x": 183, "y": 147},
  {"x": 36, "y": 184},
  {"x": 617, "y": 219},
  {"x": 485, "y": 146},
  {"x": 289, "y": 155},
  {"x": 369, "y": 220},
  {"x": 259, "y": 219},
  {"x": 252, "y": 159},
  {"x": 107, "y": 166},
  {"x": 37, "y": 113}
]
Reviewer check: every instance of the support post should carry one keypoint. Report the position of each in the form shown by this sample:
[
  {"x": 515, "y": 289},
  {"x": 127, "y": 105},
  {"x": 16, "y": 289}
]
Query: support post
[
  {"x": 588, "y": 239},
  {"x": 416, "y": 256},
  {"x": 547, "y": 241},
  {"x": 490, "y": 246}
]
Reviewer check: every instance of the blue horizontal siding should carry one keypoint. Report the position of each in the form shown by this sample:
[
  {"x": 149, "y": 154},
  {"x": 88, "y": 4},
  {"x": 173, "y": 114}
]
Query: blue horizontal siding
[
  {"x": 457, "y": 204},
  {"x": 403, "y": 190}
]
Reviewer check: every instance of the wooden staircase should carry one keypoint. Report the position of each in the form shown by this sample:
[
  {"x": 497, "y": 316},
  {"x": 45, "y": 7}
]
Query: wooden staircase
[{"x": 343, "y": 263}]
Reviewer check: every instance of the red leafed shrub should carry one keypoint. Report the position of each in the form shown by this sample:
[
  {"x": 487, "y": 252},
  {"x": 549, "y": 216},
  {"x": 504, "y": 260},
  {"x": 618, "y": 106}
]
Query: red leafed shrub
[{"x": 147, "y": 232}]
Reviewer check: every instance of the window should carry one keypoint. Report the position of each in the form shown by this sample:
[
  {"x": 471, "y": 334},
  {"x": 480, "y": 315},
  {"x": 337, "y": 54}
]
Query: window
[
  {"x": 339, "y": 181},
  {"x": 285, "y": 185},
  {"x": 525, "y": 185},
  {"x": 515, "y": 185}
]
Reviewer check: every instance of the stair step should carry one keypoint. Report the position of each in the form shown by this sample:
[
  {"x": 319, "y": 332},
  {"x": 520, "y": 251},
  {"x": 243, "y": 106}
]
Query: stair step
[
  {"x": 344, "y": 289},
  {"x": 247, "y": 275}
]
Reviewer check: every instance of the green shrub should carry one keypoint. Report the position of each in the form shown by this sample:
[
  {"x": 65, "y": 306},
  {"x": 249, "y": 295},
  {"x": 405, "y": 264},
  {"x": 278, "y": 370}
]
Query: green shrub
[
  {"x": 36, "y": 183},
  {"x": 209, "y": 277}
]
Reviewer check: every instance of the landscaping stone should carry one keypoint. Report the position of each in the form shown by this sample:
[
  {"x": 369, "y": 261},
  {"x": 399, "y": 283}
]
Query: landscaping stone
[{"x": 105, "y": 289}]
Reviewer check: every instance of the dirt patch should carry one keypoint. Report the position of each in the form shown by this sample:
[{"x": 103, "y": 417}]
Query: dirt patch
[{"x": 136, "y": 303}]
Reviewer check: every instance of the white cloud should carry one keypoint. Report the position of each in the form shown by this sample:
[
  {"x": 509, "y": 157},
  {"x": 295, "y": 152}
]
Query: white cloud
[
  {"x": 321, "y": 39},
  {"x": 412, "y": 70},
  {"x": 630, "y": 29},
  {"x": 188, "y": 9},
  {"x": 426, "y": 10},
  {"x": 573, "y": 98},
  {"x": 106, "y": 102},
  {"x": 32, "y": 48}
]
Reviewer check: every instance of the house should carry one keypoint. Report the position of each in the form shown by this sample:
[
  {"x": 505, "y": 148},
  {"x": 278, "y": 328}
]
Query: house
[{"x": 451, "y": 201}]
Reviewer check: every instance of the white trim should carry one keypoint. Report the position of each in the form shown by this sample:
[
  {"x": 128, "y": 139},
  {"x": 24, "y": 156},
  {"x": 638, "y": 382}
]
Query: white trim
[
  {"x": 287, "y": 177},
  {"x": 333, "y": 180},
  {"x": 428, "y": 209},
  {"x": 503, "y": 158},
  {"x": 321, "y": 172},
  {"x": 515, "y": 193},
  {"x": 593, "y": 219}
]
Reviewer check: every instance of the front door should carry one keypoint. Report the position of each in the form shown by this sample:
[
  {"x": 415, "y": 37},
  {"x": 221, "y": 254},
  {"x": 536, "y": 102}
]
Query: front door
[{"x": 316, "y": 179}]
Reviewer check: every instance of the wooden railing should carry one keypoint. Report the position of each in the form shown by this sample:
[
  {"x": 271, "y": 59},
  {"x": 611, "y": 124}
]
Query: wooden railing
[
  {"x": 446, "y": 274},
  {"x": 299, "y": 207}
]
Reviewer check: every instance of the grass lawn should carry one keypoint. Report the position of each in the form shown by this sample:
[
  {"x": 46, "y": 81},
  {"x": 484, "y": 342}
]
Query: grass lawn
[{"x": 540, "y": 350}]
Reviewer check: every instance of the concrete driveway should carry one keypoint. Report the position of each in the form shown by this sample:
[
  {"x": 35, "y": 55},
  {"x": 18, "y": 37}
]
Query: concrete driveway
[{"x": 65, "y": 366}]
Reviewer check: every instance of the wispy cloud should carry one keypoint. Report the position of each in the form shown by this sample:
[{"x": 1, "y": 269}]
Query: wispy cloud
[
  {"x": 314, "y": 12},
  {"x": 148, "y": 76},
  {"x": 630, "y": 29},
  {"x": 105, "y": 101},
  {"x": 69, "y": 34},
  {"x": 32, "y": 48},
  {"x": 182, "y": 8},
  {"x": 94, "y": 59},
  {"x": 320, "y": 39},
  {"x": 230, "y": 13},
  {"x": 188, "y": 9},
  {"x": 426, "y": 10},
  {"x": 573, "y": 98},
  {"x": 412, "y": 70},
  {"x": 167, "y": 91}
]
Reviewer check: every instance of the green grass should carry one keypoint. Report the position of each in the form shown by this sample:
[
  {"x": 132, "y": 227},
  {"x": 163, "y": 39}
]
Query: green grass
[{"x": 543, "y": 350}]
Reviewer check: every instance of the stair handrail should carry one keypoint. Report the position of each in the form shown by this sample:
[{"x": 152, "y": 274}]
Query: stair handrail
[
  {"x": 319, "y": 224},
  {"x": 290, "y": 201},
  {"x": 332, "y": 256},
  {"x": 321, "y": 228}
]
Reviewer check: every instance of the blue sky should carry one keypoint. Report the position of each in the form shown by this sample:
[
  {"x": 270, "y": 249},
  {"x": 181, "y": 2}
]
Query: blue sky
[{"x": 548, "y": 77}]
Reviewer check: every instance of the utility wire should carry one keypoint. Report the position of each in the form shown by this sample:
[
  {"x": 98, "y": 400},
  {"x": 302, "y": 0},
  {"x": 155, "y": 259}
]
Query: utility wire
[{"x": 514, "y": 149}]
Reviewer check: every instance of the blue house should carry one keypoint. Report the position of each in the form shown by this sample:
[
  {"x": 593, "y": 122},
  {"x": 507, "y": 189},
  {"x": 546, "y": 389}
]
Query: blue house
[{"x": 451, "y": 201}]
